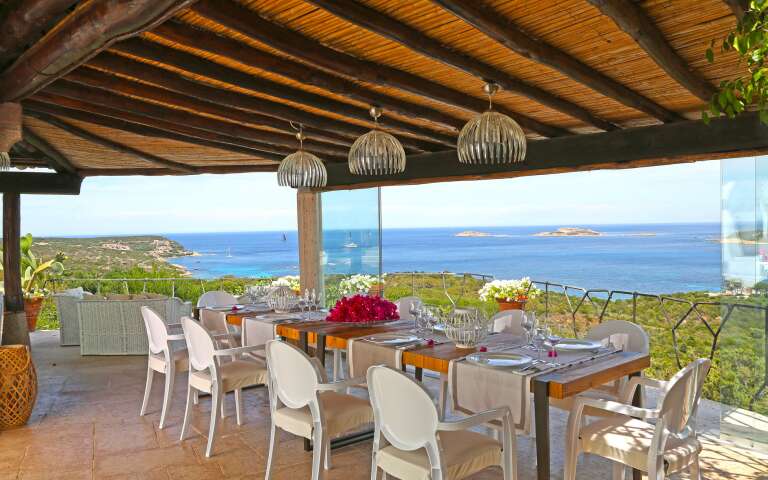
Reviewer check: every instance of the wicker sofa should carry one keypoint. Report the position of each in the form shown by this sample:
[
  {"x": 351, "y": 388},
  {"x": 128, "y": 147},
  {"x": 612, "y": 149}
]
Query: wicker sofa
[{"x": 112, "y": 325}]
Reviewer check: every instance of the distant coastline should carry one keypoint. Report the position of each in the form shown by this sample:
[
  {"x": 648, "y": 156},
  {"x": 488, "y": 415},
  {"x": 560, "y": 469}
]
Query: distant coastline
[{"x": 570, "y": 232}]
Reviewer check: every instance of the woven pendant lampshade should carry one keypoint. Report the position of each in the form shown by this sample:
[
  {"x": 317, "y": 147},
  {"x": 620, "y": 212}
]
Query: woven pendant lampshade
[
  {"x": 302, "y": 169},
  {"x": 376, "y": 152},
  {"x": 491, "y": 137}
]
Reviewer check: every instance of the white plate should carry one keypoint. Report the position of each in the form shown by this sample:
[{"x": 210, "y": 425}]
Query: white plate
[
  {"x": 393, "y": 339},
  {"x": 499, "y": 360},
  {"x": 576, "y": 345}
]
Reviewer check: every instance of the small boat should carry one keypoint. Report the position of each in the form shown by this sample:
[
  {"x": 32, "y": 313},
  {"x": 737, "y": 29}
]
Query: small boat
[
  {"x": 285, "y": 239},
  {"x": 229, "y": 253},
  {"x": 349, "y": 243}
]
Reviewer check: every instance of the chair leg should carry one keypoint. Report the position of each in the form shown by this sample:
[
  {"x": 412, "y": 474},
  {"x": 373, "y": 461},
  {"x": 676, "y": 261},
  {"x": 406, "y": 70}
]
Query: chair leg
[
  {"x": 327, "y": 452},
  {"x": 196, "y": 397},
  {"x": 169, "y": 377},
  {"x": 271, "y": 453},
  {"x": 317, "y": 452},
  {"x": 222, "y": 407},
  {"x": 216, "y": 399},
  {"x": 619, "y": 470},
  {"x": 187, "y": 412},
  {"x": 695, "y": 469},
  {"x": 336, "y": 365},
  {"x": 374, "y": 467},
  {"x": 239, "y": 406},
  {"x": 442, "y": 398},
  {"x": 147, "y": 390},
  {"x": 571, "y": 461}
]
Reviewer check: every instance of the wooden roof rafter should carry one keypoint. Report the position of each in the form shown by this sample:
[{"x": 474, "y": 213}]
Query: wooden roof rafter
[
  {"x": 250, "y": 23},
  {"x": 56, "y": 159}
]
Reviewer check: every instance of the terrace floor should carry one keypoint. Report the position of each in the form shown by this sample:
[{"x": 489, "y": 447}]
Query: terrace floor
[{"x": 86, "y": 426}]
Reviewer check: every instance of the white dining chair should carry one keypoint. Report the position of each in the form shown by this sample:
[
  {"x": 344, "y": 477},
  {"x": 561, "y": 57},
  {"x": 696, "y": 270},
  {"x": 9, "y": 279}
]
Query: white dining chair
[
  {"x": 303, "y": 403},
  {"x": 627, "y": 336},
  {"x": 209, "y": 374},
  {"x": 508, "y": 321},
  {"x": 216, "y": 298},
  {"x": 404, "y": 305},
  {"x": 167, "y": 355},
  {"x": 410, "y": 442},
  {"x": 658, "y": 441}
]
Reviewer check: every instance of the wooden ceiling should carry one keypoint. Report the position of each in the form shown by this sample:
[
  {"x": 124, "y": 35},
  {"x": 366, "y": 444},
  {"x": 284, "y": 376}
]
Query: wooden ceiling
[{"x": 214, "y": 85}]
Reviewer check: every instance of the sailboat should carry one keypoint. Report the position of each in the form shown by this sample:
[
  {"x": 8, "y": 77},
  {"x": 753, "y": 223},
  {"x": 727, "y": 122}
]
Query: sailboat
[
  {"x": 229, "y": 252},
  {"x": 285, "y": 238},
  {"x": 349, "y": 243}
]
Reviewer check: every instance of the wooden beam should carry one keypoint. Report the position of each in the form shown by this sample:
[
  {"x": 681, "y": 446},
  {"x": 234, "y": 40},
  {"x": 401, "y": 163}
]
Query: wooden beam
[
  {"x": 24, "y": 23},
  {"x": 110, "y": 144},
  {"x": 249, "y": 23},
  {"x": 738, "y": 7},
  {"x": 514, "y": 38},
  {"x": 40, "y": 183},
  {"x": 630, "y": 17},
  {"x": 659, "y": 144},
  {"x": 264, "y": 138},
  {"x": 89, "y": 29},
  {"x": 234, "y": 106},
  {"x": 123, "y": 86},
  {"x": 152, "y": 172},
  {"x": 207, "y": 68},
  {"x": 388, "y": 27},
  {"x": 56, "y": 160},
  {"x": 136, "y": 124}
]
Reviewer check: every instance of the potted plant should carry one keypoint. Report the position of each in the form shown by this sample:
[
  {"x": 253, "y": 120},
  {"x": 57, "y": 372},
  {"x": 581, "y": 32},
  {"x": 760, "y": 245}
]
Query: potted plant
[
  {"x": 35, "y": 274},
  {"x": 363, "y": 310},
  {"x": 509, "y": 294},
  {"x": 362, "y": 284}
]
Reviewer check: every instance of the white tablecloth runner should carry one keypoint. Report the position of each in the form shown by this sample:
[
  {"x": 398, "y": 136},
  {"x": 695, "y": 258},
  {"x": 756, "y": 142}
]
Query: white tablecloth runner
[{"x": 476, "y": 388}]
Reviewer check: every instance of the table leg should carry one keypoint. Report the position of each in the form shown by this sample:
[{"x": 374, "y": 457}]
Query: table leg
[
  {"x": 304, "y": 345},
  {"x": 541, "y": 406},
  {"x": 418, "y": 373},
  {"x": 320, "y": 348},
  {"x": 637, "y": 401}
]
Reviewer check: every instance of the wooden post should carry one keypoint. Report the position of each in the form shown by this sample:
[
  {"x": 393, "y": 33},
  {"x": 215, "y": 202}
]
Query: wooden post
[
  {"x": 15, "y": 324},
  {"x": 309, "y": 216}
]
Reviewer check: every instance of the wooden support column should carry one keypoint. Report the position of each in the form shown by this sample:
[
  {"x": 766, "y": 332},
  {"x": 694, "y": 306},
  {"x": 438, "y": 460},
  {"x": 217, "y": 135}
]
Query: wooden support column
[
  {"x": 309, "y": 216},
  {"x": 15, "y": 324}
]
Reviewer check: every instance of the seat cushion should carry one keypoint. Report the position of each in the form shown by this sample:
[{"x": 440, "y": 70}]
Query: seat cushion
[
  {"x": 627, "y": 440},
  {"x": 464, "y": 454},
  {"x": 180, "y": 358},
  {"x": 343, "y": 413},
  {"x": 234, "y": 375}
]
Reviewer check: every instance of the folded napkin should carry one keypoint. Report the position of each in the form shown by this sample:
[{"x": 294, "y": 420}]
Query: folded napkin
[{"x": 362, "y": 354}]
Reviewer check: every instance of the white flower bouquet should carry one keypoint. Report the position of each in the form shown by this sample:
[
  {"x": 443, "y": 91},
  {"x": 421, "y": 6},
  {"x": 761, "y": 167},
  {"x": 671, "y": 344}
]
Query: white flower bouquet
[
  {"x": 359, "y": 283},
  {"x": 509, "y": 290},
  {"x": 290, "y": 281}
]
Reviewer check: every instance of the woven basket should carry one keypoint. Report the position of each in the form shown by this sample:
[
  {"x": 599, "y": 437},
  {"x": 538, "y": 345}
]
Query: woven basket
[{"x": 18, "y": 386}]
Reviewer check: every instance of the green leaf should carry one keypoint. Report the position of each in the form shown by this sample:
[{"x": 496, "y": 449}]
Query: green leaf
[{"x": 710, "y": 55}]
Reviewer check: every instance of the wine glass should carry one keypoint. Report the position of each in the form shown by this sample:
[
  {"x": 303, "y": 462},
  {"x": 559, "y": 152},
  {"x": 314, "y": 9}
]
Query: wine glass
[
  {"x": 541, "y": 333},
  {"x": 529, "y": 322},
  {"x": 552, "y": 340},
  {"x": 416, "y": 312}
]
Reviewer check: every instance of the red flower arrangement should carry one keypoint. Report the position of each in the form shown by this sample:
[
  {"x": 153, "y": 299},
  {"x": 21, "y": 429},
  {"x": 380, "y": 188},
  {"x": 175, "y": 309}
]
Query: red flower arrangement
[{"x": 363, "y": 309}]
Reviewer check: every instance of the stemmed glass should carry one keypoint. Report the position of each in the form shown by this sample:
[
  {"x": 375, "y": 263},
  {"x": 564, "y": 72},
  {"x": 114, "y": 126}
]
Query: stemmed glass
[
  {"x": 552, "y": 340},
  {"x": 416, "y": 312},
  {"x": 529, "y": 323}
]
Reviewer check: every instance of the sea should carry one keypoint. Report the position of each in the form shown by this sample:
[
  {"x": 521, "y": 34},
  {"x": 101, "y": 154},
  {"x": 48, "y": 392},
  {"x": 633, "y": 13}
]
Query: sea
[{"x": 651, "y": 258}]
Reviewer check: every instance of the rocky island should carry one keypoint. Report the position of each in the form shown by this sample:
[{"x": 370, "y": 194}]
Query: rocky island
[{"x": 569, "y": 232}]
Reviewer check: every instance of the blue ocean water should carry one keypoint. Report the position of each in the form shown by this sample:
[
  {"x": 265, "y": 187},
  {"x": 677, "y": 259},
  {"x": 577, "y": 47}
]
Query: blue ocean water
[{"x": 672, "y": 258}]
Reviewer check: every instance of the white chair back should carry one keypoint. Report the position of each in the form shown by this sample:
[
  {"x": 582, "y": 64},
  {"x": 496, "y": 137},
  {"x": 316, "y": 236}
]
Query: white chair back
[
  {"x": 508, "y": 321},
  {"x": 636, "y": 339},
  {"x": 682, "y": 395},
  {"x": 403, "y": 411},
  {"x": 256, "y": 332},
  {"x": 214, "y": 321},
  {"x": 216, "y": 298},
  {"x": 294, "y": 377},
  {"x": 157, "y": 330},
  {"x": 200, "y": 345},
  {"x": 404, "y": 305}
]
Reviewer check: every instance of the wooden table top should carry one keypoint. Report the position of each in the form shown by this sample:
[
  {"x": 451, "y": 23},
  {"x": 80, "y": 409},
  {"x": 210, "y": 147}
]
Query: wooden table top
[{"x": 436, "y": 358}]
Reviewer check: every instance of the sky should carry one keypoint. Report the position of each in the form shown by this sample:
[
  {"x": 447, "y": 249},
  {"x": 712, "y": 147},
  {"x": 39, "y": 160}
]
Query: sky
[{"x": 251, "y": 202}]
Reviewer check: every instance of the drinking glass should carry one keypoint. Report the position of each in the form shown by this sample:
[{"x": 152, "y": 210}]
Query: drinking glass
[
  {"x": 552, "y": 340},
  {"x": 529, "y": 323},
  {"x": 416, "y": 312},
  {"x": 540, "y": 336}
]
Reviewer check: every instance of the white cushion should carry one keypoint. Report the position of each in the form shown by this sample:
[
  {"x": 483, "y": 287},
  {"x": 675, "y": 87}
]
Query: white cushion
[
  {"x": 234, "y": 375},
  {"x": 464, "y": 453},
  {"x": 343, "y": 413},
  {"x": 627, "y": 440},
  {"x": 157, "y": 361}
]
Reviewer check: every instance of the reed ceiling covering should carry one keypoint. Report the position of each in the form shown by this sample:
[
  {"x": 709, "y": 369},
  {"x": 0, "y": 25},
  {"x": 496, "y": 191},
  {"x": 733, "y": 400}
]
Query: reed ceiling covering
[{"x": 211, "y": 85}]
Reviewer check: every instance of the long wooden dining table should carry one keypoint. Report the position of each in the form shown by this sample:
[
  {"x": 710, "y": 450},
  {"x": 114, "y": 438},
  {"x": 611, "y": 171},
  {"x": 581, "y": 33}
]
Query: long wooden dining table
[{"x": 436, "y": 358}]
